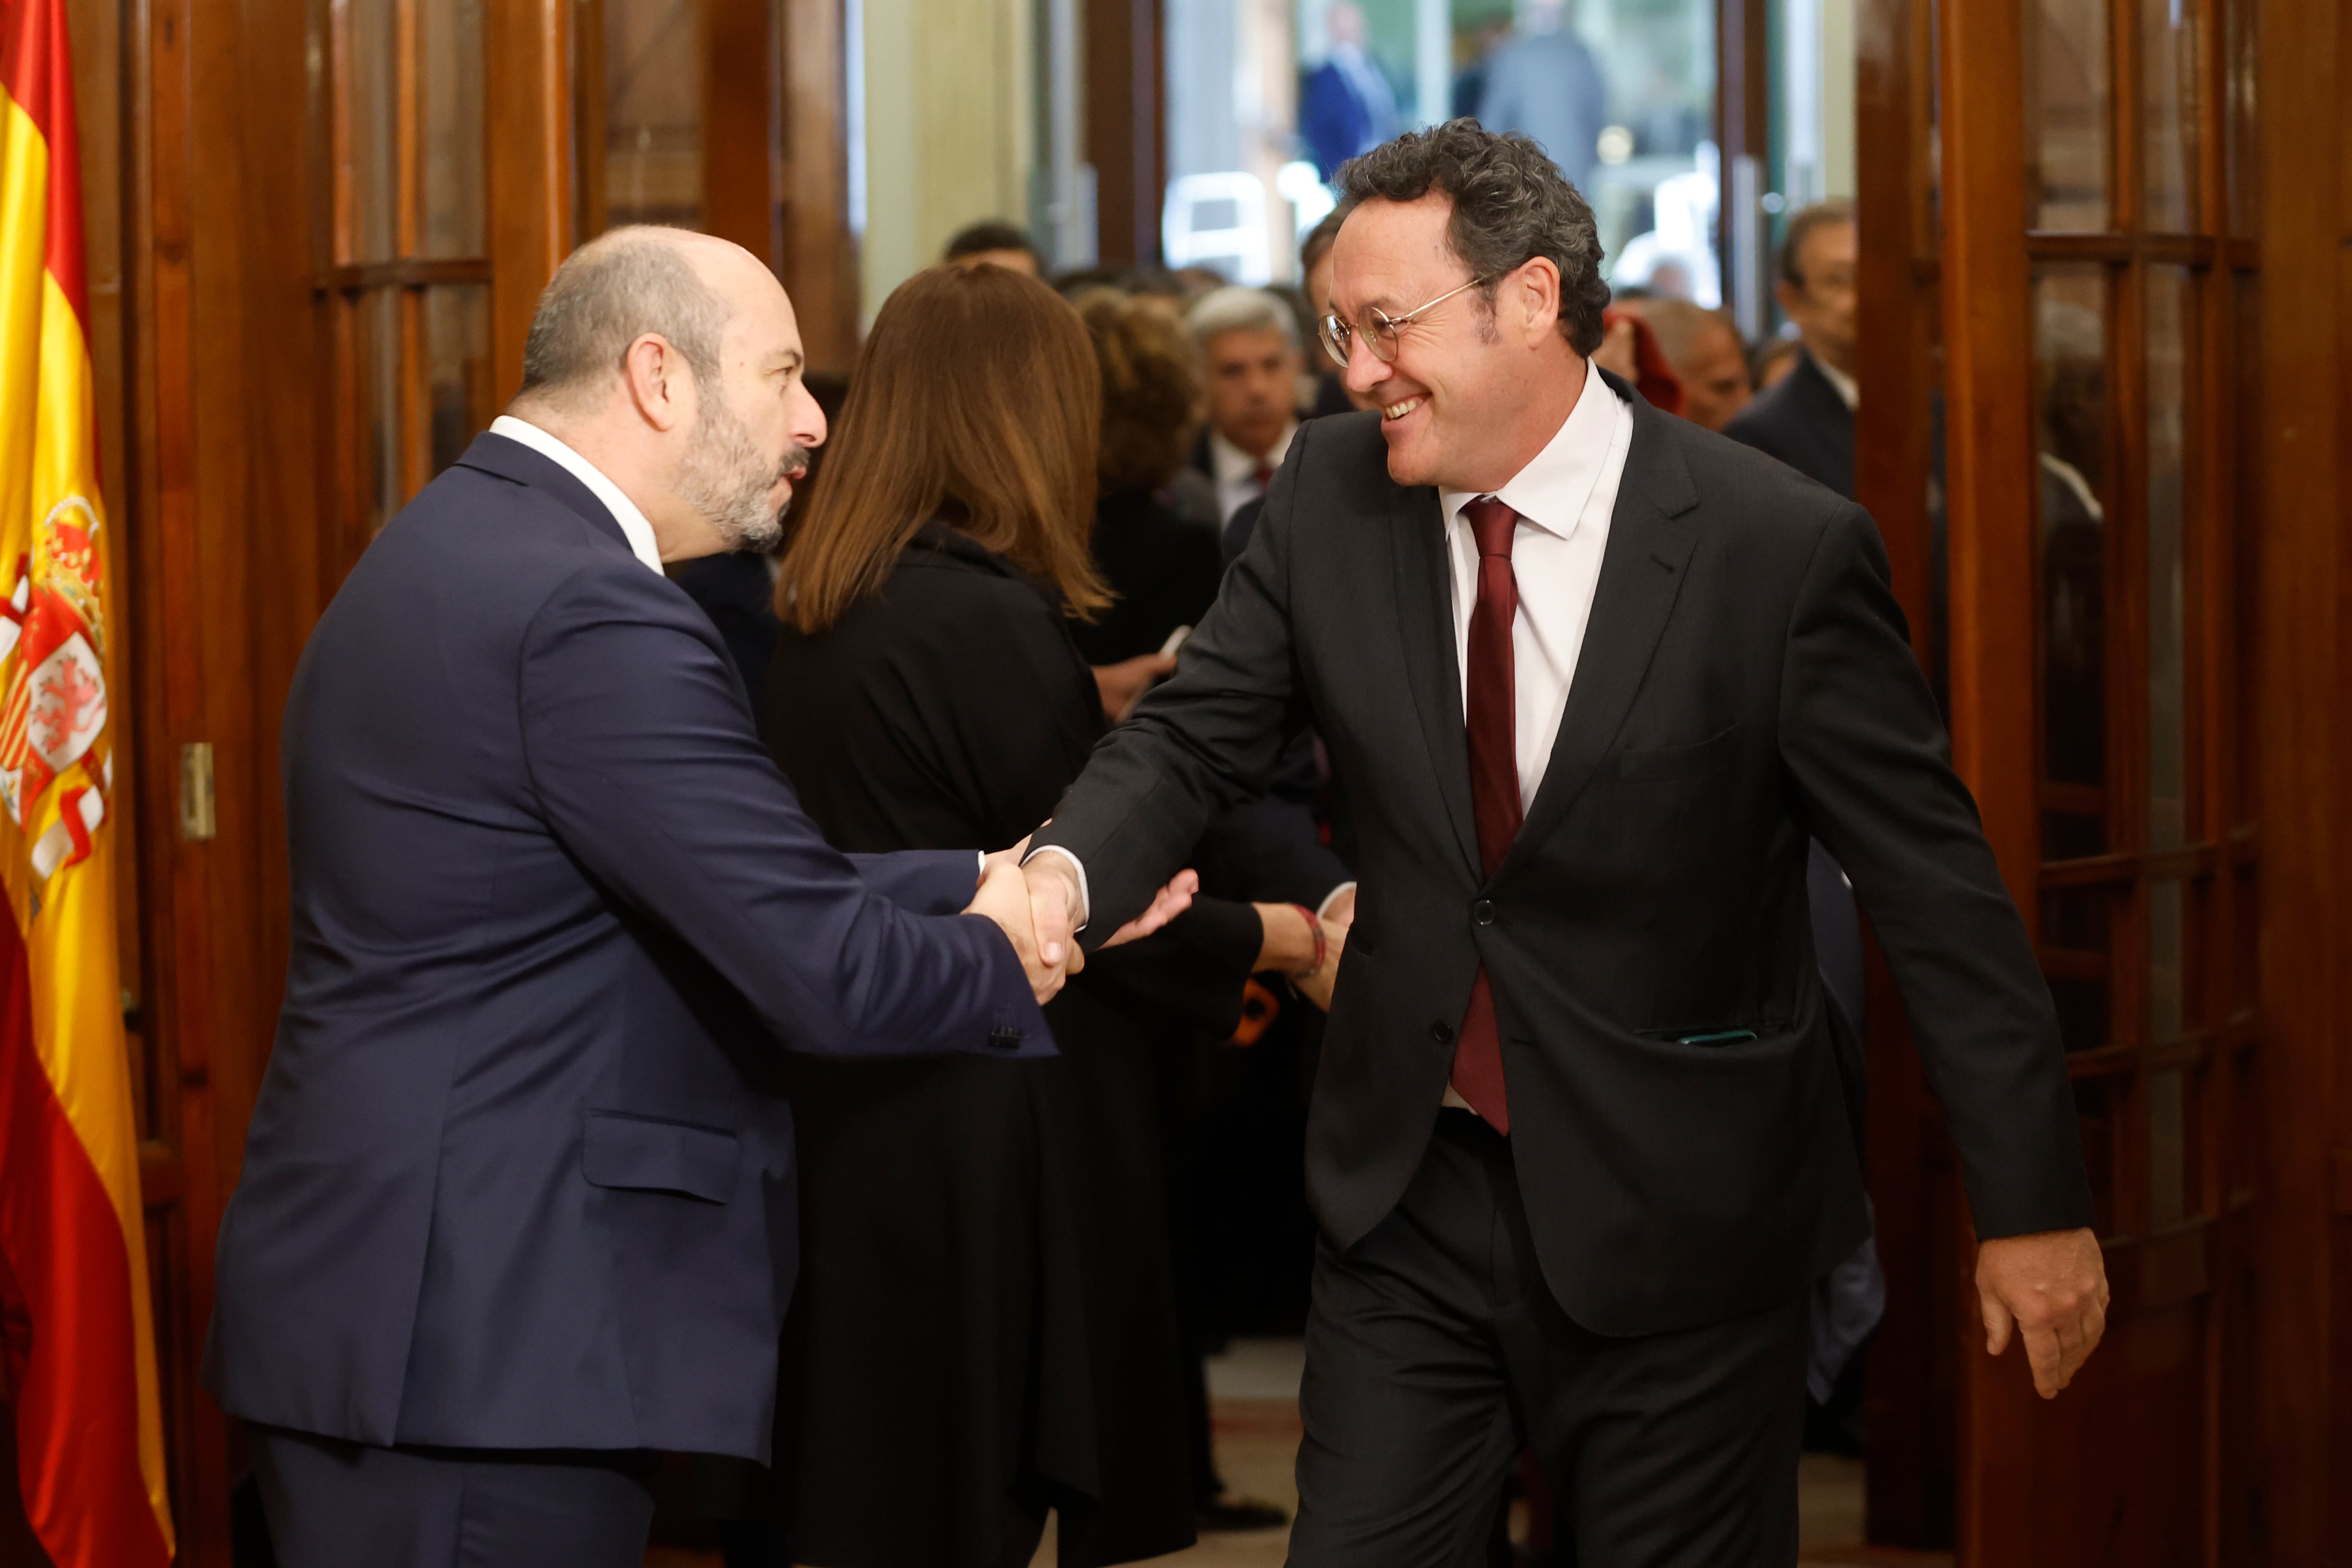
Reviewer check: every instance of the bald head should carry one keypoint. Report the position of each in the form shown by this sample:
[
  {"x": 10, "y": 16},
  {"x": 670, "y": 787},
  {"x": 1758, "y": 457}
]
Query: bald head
[
  {"x": 1707, "y": 355},
  {"x": 614, "y": 291},
  {"x": 672, "y": 362}
]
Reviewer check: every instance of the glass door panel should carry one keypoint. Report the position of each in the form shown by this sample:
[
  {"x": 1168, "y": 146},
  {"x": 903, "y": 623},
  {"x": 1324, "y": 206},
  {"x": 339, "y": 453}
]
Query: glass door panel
[
  {"x": 2168, "y": 349},
  {"x": 2066, "y": 113},
  {"x": 2168, "y": 104}
]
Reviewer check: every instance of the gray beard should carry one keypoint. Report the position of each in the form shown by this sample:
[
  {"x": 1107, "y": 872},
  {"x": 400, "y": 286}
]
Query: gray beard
[{"x": 724, "y": 479}]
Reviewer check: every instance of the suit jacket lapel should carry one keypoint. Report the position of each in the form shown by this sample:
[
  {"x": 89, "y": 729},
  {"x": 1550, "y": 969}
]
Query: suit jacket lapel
[
  {"x": 1426, "y": 622},
  {"x": 1652, "y": 532}
]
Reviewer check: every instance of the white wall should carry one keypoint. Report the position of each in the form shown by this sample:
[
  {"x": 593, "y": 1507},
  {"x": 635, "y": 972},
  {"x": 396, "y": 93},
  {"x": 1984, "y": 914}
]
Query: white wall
[{"x": 949, "y": 128}]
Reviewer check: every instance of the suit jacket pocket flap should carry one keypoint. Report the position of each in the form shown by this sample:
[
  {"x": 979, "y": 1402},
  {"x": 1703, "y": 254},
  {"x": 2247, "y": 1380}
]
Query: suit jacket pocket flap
[
  {"x": 634, "y": 1152},
  {"x": 1681, "y": 762}
]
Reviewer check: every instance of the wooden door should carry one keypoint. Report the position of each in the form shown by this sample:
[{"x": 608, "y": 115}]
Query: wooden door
[
  {"x": 727, "y": 116},
  {"x": 2060, "y": 467}
]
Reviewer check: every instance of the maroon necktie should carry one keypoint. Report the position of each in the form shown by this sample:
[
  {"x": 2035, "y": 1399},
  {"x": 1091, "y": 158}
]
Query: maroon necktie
[
  {"x": 1493, "y": 781},
  {"x": 1261, "y": 476}
]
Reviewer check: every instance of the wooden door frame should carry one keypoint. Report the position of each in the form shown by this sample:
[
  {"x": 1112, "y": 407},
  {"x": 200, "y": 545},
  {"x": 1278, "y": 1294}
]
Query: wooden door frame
[{"x": 2304, "y": 1251}]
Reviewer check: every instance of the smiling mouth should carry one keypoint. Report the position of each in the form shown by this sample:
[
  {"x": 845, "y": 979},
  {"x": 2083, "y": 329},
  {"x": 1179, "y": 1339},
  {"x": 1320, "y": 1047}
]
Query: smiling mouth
[{"x": 1394, "y": 411}]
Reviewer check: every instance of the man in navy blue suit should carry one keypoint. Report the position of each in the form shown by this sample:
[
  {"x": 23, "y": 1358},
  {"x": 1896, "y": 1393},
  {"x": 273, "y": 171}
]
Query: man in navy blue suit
[{"x": 517, "y": 1207}]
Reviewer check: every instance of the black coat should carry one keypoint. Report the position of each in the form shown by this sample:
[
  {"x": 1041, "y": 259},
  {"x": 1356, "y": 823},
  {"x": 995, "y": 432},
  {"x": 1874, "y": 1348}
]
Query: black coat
[
  {"x": 1805, "y": 424},
  {"x": 1745, "y": 684},
  {"x": 986, "y": 1302}
]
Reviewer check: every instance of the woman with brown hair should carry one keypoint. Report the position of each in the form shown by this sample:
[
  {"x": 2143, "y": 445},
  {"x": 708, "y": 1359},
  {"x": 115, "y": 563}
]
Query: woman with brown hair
[{"x": 983, "y": 1320}]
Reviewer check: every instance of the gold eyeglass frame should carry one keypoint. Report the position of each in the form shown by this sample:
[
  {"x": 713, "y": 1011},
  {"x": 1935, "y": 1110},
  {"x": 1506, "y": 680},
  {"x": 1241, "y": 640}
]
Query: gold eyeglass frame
[{"x": 1336, "y": 331}]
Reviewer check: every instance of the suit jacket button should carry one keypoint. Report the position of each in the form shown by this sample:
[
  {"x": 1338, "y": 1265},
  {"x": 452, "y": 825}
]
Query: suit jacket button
[
  {"x": 1483, "y": 911},
  {"x": 1006, "y": 1037},
  {"x": 1442, "y": 1032}
]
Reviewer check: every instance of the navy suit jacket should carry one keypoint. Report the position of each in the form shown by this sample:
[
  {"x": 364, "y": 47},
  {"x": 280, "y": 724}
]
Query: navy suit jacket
[{"x": 519, "y": 1175}]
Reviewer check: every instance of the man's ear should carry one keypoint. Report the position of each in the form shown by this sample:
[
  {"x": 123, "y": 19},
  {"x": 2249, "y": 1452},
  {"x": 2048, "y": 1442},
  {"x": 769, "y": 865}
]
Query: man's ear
[
  {"x": 656, "y": 380},
  {"x": 1535, "y": 290}
]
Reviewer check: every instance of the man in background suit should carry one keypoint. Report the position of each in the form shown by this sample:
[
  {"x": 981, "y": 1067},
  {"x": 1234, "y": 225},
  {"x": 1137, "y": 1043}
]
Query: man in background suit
[
  {"x": 518, "y": 1206},
  {"x": 1250, "y": 367},
  {"x": 1582, "y": 1136},
  {"x": 1346, "y": 104},
  {"x": 1806, "y": 419},
  {"x": 1542, "y": 82}
]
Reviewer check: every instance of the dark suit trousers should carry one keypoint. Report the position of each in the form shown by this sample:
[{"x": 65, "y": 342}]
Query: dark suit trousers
[
  {"x": 332, "y": 1503},
  {"x": 1436, "y": 1351}
]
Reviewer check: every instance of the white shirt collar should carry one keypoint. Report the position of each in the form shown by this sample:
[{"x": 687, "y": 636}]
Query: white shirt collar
[
  {"x": 1551, "y": 491},
  {"x": 1232, "y": 465},
  {"x": 1838, "y": 379},
  {"x": 633, "y": 526}
]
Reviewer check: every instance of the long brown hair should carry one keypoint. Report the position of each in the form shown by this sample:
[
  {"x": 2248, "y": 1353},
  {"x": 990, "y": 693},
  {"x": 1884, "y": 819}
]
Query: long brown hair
[{"x": 975, "y": 400}]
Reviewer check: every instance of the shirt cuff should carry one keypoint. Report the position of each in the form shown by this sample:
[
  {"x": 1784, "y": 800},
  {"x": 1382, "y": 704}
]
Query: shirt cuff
[
  {"x": 1086, "y": 899},
  {"x": 1329, "y": 898},
  {"x": 979, "y": 869}
]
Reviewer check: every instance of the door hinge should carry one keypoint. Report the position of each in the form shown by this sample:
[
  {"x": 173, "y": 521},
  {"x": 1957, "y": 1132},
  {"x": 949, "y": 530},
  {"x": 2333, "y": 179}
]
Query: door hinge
[{"x": 197, "y": 820}]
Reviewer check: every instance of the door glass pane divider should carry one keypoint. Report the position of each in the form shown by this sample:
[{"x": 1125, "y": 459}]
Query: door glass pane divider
[
  {"x": 2125, "y": 201},
  {"x": 2125, "y": 866},
  {"x": 408, "y": 111}
]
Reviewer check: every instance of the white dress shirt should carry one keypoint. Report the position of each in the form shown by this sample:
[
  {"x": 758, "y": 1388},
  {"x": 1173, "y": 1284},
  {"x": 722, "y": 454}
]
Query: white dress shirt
[
  {"x": 1235, "y": 471},
  {"x": 1564, "y": 498},
  {"x": 1840, "y": 382},
  {"x": 633, "y": 526}
]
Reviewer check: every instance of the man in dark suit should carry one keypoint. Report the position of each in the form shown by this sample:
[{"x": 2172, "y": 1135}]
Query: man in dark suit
[
  {"x": 1346, "y": 104},
  {"x": 1806, "y": 419},
  {"x": 1592, "y": 678},
  {"x": 518, "y": 1208}
]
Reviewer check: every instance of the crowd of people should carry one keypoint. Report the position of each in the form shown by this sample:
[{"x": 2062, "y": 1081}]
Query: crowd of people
[{"x": 970, "y": 649}]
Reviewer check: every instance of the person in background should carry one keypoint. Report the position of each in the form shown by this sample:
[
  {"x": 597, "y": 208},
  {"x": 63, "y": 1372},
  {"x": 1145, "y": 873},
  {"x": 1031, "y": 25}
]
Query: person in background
[
  {"x": 1470, "y": 81},
  {"x": 1163, "y": 567},
  {"x": 1251, "y": 362},
  {"x": 1346, "y": 105},
  {"x": 1331, "y": 394},
  {"x": 987, "y": 1329},
  {"x": 1807, "y": 421},
  {"x": 1543, "y": 84},
  {"x": 995, "y": 243},
  {"x": 1705, "y": 354}
]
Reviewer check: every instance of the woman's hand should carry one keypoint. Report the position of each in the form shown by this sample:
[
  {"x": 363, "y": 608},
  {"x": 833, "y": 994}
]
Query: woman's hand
[{"x": 1302, "y": 948}]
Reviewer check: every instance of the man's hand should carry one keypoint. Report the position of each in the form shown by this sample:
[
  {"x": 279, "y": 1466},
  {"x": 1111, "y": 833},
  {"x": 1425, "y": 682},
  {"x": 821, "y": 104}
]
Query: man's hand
[
  {"x": 1056, "y": 909},
  {"x": 1122, "y": 683},
  {"x": 1003, "y": 896},
  {"x": 2053, "y": 1287}
]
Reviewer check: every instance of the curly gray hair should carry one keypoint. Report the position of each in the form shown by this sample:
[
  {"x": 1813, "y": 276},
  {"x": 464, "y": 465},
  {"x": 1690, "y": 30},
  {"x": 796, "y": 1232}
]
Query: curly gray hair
[{"x": 1511, "y": 205}]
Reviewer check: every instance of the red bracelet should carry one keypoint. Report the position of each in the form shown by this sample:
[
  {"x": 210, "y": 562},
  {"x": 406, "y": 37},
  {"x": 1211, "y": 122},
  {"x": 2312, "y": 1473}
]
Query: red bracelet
[{"x": 1314, "y": 925}]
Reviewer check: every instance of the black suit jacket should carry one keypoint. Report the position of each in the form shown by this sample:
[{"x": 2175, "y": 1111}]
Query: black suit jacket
[
  {"x": 1805, "y": 424},
  {"x": 1745, "y": 684}
]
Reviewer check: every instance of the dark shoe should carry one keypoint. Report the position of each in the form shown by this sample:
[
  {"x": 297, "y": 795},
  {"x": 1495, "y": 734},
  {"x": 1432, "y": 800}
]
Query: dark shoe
[{"x": 1232, "y": 1515}]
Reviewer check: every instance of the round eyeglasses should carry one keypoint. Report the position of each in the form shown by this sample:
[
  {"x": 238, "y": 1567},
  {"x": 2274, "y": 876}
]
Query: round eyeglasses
[{"x": 1379, "y": 334}]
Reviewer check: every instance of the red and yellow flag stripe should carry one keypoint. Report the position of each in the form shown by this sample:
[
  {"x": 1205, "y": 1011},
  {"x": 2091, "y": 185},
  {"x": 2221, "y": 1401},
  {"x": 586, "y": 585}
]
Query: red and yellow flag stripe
[{"x": 81, "y": 1374}]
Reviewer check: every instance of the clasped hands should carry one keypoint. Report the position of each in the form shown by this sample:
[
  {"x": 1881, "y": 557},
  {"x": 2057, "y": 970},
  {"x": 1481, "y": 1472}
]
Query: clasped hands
[{"x": 1039, "y": 909}]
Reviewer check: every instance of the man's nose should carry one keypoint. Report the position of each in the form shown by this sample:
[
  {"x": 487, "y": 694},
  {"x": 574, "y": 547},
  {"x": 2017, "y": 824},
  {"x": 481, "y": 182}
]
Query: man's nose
[
  {"x": 1366, "y": 369},
  {"x": 806, "y": 417}
]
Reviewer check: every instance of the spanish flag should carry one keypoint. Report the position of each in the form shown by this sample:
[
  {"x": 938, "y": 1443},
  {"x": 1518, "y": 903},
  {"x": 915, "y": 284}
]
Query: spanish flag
[{"x": 74, "y": 1310}]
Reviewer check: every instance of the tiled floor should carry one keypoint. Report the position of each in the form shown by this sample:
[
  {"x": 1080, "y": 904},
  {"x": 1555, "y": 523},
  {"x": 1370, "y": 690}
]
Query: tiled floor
[{"x": 1254, "y": 1386}]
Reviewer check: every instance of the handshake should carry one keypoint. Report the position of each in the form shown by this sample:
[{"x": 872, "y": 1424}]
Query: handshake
[{"x": 1039, "y": 909}]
